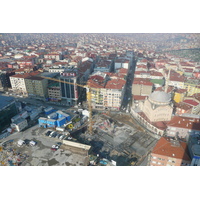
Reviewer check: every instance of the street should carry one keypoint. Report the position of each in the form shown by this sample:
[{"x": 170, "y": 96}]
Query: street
[{"x": 127, "y": 94}]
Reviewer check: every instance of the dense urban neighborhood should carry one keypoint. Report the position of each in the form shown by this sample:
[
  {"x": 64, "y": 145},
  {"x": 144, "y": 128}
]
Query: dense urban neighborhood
[{"x": 99, "y": 99}]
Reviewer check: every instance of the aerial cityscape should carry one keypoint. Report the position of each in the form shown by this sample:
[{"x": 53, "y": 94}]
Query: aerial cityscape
[{"x": 99, "y": 99}]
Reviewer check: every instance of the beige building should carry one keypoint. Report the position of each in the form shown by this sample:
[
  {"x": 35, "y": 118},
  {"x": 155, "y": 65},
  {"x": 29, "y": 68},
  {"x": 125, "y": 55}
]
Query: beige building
[
  {"x": 143, "y": 88},
  {"x": 106, "y": 95},
  {"x": 158, "y": 107},
  {"x": 37, "y": 87}
]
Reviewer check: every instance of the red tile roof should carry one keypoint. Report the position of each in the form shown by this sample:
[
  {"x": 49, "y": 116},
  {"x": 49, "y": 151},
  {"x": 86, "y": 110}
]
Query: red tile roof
[
  {"x": 139, "y": 97},
  {"x": 166, "y": 147},
  {"x": 123, "y": 71},
  {"x": 196, "y": 96},
  {"x": 156, "y": 124},
  {"x": 185, "y": 122},
  {"x": 142, "y": 83},
  {"x": 191, "y": 102},
  {"x": 183, "y": 106},
  {"x": 115, "y": 84},
  {"x": 181, "y": 91}
]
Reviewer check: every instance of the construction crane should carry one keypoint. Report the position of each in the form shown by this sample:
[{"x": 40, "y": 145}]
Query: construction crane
[{"x": 88, "y": 90}]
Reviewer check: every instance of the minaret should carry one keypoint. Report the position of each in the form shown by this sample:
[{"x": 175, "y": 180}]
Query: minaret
[{"x": 167, "y": 81}]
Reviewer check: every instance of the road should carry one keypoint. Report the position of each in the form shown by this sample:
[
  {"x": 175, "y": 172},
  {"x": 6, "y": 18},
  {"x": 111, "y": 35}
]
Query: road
[{"x": 127, "y": 95}]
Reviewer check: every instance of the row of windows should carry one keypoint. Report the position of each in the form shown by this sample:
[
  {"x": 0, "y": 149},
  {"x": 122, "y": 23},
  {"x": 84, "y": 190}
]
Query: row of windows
[{"x": 159, "y": 163}]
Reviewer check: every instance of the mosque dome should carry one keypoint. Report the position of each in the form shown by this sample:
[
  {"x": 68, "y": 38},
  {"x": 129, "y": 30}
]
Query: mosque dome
[{"x": 160, "y": 97}]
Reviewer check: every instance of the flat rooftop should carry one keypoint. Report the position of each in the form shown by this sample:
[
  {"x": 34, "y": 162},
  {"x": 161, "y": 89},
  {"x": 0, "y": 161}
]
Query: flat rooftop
[{"x": 4, "y": 101}]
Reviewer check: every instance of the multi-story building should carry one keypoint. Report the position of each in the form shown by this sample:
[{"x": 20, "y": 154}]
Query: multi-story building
[
  {"x": 5, "y": 73},
  {"x": 179, "y": 95},
  {"x": 183, "y": 127},
  {"x": 19, "y": 125},
  {"x": 194, "y": 149},
  {"x": 103, "y": 66},
  {"x": 121, "y": 63},
  {"x": 18, "y": 82},
  {"x": 192, "y": 86},
  {"x": 142, "y": 88},
  {"x": 69, "y": 92},
  {"x": 8, "y": 109},
  {"x": 112, "y": 94},
  {"x": 56, "y": 56},
  {"x": 106, "y": 94},
  {"x": 168, "y": 152},
  {"x": 37, "y": 87},
  {"x": 54, "y": 92}
]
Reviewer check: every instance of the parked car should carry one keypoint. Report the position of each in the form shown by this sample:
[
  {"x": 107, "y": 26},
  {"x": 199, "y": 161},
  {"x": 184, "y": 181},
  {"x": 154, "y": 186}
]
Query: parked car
[
  {"x": 55, "y": 147},
  {"x": 26, "y": 141},
  {"x": 61, "y": 136},
  {"x": 48, "y": 133},
  {"x": 59, "y": 144},
  {"x": 54, "y": 134},
  {"x": 58, "y": 135},
  {"x": 64, "y": 138}
]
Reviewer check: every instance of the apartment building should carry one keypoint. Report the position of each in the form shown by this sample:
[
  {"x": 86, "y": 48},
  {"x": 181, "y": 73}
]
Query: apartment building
[
  {"x": 142, "y": 88},
  {"x": 55, "y": 56},
  {"x": 18, "y": 83},
  {"x": 112, "y": 94},
  {"x": 183, "y": 127},
  {"x": 179, "y": 95},
  {"x": 192, "y": 86},
  {"x": 169, "y": 152},
  {"x": 106, "y": 94}
]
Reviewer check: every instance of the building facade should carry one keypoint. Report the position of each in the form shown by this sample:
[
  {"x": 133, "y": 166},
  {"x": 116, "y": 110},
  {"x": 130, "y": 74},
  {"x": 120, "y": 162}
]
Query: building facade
[
  {"x": 37, "y": 87},
  {"x": 54, "y": 92},
  {"x": 8, "y": 109},
  {"x": 69, "y": 92}
]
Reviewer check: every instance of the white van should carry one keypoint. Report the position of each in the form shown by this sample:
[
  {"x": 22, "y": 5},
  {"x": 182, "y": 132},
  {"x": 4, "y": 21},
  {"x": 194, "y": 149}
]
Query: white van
[
  {"x": 32, "y": 143},
  {"x": 20, "y": 143}
]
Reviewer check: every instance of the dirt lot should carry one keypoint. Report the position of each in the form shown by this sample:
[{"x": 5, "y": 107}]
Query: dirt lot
[{"x": 39, "y": 155}]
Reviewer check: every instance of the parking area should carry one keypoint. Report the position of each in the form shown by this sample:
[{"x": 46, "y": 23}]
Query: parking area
[{"x": 47, "y": 151}]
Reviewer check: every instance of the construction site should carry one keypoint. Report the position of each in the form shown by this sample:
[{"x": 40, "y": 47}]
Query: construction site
[{"x": 117, "y": 137}]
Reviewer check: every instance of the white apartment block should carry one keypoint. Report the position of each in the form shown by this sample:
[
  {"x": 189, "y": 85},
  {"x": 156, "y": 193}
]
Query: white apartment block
[{"x": 18, "y": 83}]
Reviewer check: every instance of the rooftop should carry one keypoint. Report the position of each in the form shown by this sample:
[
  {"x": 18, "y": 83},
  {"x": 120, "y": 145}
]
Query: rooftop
[
  {"x": 166, "y": 147},
  {"x": 185, "y": 122},
  {"x": 160, "y": 97},
  {"x": 5, "y": 101}
]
